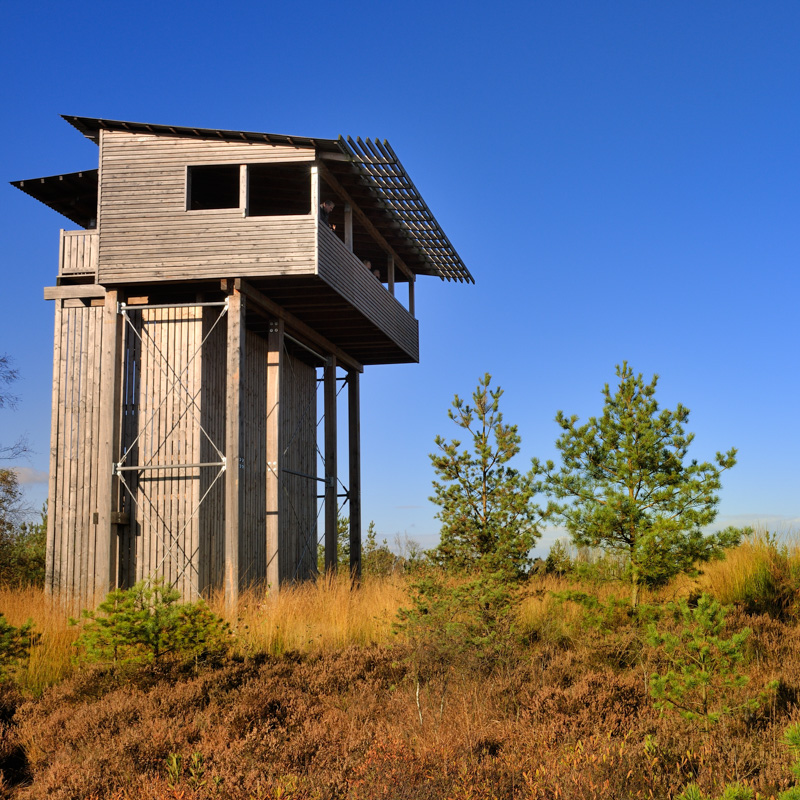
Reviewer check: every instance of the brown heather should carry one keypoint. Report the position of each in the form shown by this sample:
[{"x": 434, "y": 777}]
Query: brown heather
[{"x": 318, "y": 701}]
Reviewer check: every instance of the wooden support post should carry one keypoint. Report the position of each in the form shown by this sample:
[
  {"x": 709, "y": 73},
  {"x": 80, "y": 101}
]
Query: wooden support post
[
  {"x": 52, "y": 578},
  {"x": 105, "y": 533},
  {"x": 274, "y": 466},
  {"x": 348, "y": 226},
  {"x": 244, "y": 189},
  {"x": 233, "y": 463},
  {"x": 390, "y": 271},
  {"x": 354, "y": 433},
  {"x": 411, "y": 297},
  {"x": 331, "y": 509},
  {"x": 315, "y": 191}
]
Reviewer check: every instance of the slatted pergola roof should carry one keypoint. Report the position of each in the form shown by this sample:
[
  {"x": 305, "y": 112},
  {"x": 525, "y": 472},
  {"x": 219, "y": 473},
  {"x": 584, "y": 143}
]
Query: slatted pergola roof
[
  {"x": 380, "y": 169},
  {"x": 369, "y": 170}
]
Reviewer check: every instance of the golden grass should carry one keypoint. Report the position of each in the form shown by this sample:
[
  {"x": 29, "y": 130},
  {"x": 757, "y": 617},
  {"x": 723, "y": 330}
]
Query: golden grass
[
  {"x": 328, "y": 615},
  {"x": 727, "y": 579},
  {"x": 317, "y": 616},
  {"x": 51, "y": 655}
]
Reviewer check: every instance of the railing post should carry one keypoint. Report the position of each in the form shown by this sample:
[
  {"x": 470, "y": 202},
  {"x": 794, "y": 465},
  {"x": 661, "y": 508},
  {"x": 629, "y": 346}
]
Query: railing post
[
  {"x": 315, "y": 191},
  {"x": 348, "y": 227}
]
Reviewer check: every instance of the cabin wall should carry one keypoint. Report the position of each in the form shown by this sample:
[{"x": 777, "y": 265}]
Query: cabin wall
[{"x": 147, "y": 233}]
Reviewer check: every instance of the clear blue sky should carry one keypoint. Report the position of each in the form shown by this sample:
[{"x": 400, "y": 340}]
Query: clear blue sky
[{"x": 622, "y": 179}]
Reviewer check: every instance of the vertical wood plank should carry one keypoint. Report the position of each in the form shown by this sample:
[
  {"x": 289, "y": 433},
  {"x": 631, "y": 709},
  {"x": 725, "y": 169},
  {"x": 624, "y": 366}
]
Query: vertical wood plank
[
  {"x": 109, "y": 379},
  {"x": 390, "y": 271},
  {"x": 54, "y": 478},
  {"x": 315, "y": 191},
  {"x": 331, "y": 554},
  {"x": 411, "y": 285},
  {"x": 275, "y": 369},
  {"x": 354, "y": 435},
  {"x": 244, "y": 189},
  {"x": 233, "y": 477}
]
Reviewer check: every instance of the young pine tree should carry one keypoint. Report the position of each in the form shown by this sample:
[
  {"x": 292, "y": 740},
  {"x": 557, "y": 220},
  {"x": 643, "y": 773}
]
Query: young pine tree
[
  {"x": 489, "y": 518},
  {"x": 632, "y": 489}
]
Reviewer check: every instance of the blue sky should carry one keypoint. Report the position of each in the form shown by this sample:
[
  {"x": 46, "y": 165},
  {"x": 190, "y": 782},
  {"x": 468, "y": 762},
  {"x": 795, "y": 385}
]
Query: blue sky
[{"x": 622, "y": 179}]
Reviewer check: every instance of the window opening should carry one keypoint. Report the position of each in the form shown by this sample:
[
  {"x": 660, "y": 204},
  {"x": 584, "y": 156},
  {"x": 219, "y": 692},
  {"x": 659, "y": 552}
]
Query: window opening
[
  {"x": 279, "y": 189},
  {"x": 213, "y": 187}
]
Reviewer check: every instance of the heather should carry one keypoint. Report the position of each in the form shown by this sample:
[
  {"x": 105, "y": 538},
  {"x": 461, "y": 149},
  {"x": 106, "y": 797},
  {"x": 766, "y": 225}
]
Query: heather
[{"x": 321, "y": 694}]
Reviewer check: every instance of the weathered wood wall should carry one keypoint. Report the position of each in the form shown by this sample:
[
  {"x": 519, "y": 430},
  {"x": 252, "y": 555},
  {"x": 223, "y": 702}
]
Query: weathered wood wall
[
  {"x": 147, "y": 233},
  {"x": 73, "y": 535},
  {"x": 297, "y": 500},
  {"x": 171, "y": 410},
  {"x": 161, "y": 425}
]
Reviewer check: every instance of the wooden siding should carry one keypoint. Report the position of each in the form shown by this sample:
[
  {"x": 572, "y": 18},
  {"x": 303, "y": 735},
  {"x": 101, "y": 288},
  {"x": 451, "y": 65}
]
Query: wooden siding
[
  {"x": 79, "y": 251},
  {"x": 171, "y": 407},
  {"x": 253, "y": 513},
  {"x": 161, "y": 419},
  {"x": 297, "y": 498},
  {"x": 72, "y": 537},
  {"x": 345, "y": 273},
  {"x": 211, "y": 392},
  {"x": 147, "y": 233}
]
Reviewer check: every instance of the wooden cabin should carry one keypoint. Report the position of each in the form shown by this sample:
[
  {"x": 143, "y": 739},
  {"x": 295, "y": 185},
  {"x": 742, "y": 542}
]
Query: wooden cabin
[{"x": 200, "y": 303}]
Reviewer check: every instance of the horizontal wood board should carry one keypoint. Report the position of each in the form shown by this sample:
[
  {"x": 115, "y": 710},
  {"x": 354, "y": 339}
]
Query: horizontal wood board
[
  {"x": 340, "y": 269},
  {"x": 147, "y": 233}
]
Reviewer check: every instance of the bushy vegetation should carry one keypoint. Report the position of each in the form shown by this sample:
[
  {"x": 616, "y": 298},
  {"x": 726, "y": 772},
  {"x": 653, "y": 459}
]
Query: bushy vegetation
[
  {"x": 145, "y": 623},
  {"x": 631, "y": 489},
  {"x": 323, "y": 698},
  {"x": 462, "y": 673}
]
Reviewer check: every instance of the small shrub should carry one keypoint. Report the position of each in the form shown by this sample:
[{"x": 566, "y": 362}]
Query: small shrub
[
  {"x": 15, "y": 644},
  {"x": 558, "y": 561},
  {"x": 146, "y": 622},
  {"x": 703, "y": 665}
]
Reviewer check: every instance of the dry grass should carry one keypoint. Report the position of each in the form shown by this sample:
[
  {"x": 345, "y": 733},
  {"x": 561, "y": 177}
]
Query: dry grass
[
  {"x": 51, "y": 656},
  {"x": 317, "y": 616},
  {"x": 730, "y": 580},
  {"x": 320, "y": 702}
]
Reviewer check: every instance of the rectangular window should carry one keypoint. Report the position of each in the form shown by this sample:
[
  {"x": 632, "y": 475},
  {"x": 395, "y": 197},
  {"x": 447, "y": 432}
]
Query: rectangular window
[
  {"x": 213, "y": 187},
  {"x": 279, "y": 189}
]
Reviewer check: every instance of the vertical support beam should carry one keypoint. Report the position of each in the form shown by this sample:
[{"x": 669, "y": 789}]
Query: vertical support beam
[
  {"x": 234, "y": 482},
  {"x": 51, "y": 579},
  {"x": 354, "y": 434},
  {"x": 411, "y": 284},
  {"x": 331, "y": 509},
  {"x": 348, "y": 226},
  {"x": 390, "y": 271},
  {"x": 274, "y": 466},
  {"x": 105, "y": 572},
  {"x": 244, "y": 189},
  {"x": 315, "y": 191}
]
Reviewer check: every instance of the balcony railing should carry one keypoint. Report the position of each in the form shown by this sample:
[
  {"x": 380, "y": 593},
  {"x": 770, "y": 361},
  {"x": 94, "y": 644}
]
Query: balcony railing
[
  {"x": 343, "y": 271},
  {"x": 78, "y": 251}
]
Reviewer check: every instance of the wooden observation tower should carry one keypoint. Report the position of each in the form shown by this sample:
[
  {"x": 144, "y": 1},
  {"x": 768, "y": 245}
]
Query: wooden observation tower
[{"x": 205, "y": 311}]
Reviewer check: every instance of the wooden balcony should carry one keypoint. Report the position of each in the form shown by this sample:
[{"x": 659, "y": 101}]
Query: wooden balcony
[
  {"x": 78, "y": 252},
  {"x": 297, "y": 263}
]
